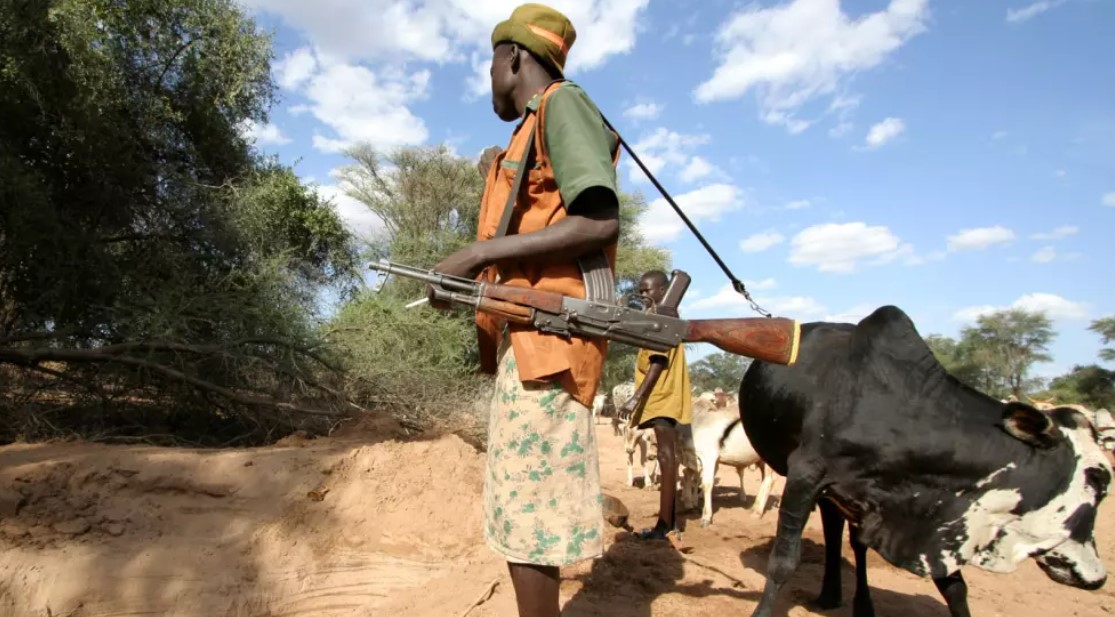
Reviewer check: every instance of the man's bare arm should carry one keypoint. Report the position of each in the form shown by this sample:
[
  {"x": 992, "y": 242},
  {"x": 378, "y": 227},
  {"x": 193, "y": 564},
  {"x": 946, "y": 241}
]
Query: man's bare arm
[{"x": 592, "y": 224}]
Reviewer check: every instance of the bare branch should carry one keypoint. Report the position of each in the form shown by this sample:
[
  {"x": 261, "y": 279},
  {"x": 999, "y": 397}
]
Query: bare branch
[{"x": 23, "y": 357}]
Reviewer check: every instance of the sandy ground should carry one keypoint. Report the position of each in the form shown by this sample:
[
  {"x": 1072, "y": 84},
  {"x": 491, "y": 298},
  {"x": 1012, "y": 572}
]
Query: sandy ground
[{"x": 363, "y": 523}]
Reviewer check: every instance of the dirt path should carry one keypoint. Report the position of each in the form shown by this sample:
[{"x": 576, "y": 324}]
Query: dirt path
[{"x": 88, "y": 530}]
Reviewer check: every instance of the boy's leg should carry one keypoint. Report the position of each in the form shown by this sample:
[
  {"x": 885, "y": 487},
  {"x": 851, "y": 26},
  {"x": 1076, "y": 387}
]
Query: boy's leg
[{"x": 665, "y": 433}]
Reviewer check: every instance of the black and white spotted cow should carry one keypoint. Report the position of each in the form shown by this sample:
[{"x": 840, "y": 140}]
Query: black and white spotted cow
[{"x": 930, "y": 473}]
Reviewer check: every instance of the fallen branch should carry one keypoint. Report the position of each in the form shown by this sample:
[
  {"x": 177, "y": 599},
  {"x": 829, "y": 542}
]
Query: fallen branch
[
  {"x": 31, "y": 357},
  {"x": 488, "y": 591}
]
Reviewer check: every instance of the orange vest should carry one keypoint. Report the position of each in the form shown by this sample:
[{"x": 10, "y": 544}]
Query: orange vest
[{"x": 576, "y": 363}]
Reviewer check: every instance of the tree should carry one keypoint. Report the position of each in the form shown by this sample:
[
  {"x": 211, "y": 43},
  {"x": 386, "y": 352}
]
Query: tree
[
  {"x": 995, "y": 355},
  {"x": 957, "y": 359},
  {"x": 1091, "y": 386},
  {"x": 148, "y": 254},
  {"x": 1106, "y": 329},
  {"x": 1006, "y": 344},
  {"x": 718, "y": 370}
]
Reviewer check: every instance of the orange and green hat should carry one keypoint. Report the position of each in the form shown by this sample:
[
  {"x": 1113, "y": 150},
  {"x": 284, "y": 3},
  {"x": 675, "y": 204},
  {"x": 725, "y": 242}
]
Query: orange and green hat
[{"x": 544, "y": 31}]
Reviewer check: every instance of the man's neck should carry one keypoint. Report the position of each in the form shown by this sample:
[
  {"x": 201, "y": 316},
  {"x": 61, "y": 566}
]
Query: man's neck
[{"x": 534, "y": 82}]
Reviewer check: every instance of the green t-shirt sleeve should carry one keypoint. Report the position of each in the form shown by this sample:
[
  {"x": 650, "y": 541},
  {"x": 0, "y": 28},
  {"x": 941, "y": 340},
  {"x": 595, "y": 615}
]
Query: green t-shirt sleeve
[{"x": 580, "y": 146}]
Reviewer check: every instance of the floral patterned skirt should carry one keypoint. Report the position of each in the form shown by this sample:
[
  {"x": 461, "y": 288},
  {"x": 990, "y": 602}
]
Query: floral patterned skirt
[{"x": 542, "y": 499}]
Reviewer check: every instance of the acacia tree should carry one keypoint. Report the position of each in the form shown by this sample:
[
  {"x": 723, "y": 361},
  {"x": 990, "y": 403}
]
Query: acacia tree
[
  {"x": 718, "y": 370},
  {"x": 1106, "y": 329},
  {"x": 147, "y": 252},
  {"x": 1092, "y": 386},
  {"x": 996, "y": 355}
]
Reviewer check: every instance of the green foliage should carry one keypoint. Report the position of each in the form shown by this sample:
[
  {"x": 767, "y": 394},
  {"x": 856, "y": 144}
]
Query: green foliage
[
  {"x": 1106, "y": 329},
  {"x": 136, "y": 217},
  {"x": 417, "y": 360},
  {"x": 718, "y": 370},
  {"x": 995, "y": 355},
  {"x": 1091, "y": 386}
]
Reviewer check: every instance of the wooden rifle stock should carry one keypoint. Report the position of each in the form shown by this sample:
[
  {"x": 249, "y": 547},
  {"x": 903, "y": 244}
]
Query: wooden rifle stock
[
  {"x": 769, "y": 339},
  {"x": 543, "y": 300}
]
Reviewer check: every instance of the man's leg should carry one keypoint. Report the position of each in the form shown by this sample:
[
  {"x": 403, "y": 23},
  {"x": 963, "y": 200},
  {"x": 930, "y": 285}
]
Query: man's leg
[
  {"x": 665, "y": 432},
  {"x": 536, "y": 589}
]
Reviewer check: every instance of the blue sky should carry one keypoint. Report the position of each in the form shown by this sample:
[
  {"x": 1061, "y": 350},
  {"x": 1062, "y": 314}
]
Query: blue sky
[{"x": 945, "y": 157}]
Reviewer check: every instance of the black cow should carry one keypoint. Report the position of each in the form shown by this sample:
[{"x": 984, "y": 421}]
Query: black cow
[{"x": 930, "y": 473}]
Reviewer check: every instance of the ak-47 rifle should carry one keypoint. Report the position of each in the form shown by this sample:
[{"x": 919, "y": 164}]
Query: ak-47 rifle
[{"x": 771, "y": 339}]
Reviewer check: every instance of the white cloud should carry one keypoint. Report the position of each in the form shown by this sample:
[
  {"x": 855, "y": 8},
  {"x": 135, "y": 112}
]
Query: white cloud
[
  {"x": 362, "y": 222},
  {"x": 661, "y": 224},
  {"x": 1044, "y": 255},
  {"x": 1032, "y": 10},
  {"x": 1108, "y": 199},
  {"x": 1055, "y": 307},
  {"x": 803, "y": 49},
  {"x": 661, "y": 148},
  {"x": 263, "y": 134},
  {"x": 727, "y": 301},
  {"x": 853, "y": 315},
  {"x": 1060, "y": 173},
  {"x": 884, "y": 131},
  {"x": 979, "y": 238},
  {"x": 999, "y": 135},
  {"x": 295, "y": 68},
  {"x": 800, "y": 204},
  {"x": 1063, "y": 231},
  {"x": 643, "y": 111},
  {"x": 839, "y": 247},
  {"x": 761, "y": 241},
  {"x": 357, "y": 103},
  {"x": 442, "y": 31},
  {"x": 696, "y": 169}
]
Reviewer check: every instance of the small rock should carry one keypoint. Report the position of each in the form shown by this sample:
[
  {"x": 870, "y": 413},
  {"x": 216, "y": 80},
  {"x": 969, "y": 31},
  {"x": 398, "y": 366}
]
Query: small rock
[
  {"x": 248, "y": 463},
  {"x": 74, "y": 527},
  {"x": 114, "y": 529}
]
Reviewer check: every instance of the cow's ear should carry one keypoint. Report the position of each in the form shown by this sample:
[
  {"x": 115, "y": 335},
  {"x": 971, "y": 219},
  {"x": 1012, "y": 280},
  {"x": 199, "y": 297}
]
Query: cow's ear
[{"x": 1029, "y": 425}]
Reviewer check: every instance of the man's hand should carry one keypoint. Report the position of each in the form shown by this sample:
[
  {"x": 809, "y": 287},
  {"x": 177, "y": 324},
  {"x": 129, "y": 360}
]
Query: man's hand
[
  {"x": 465, "y": 263},
  {"x": 629, "y": 407},
  {"x": 486, "y": 158}
]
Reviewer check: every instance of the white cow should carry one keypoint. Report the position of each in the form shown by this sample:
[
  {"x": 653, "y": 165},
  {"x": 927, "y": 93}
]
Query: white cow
[
  {"x": 641, "y": 439},
  {"x": 719, "y": 439},
  {"x": 689, "y": 466},
  {"x": 620, "y": 395},
  {"x": 598, "y": 406}
]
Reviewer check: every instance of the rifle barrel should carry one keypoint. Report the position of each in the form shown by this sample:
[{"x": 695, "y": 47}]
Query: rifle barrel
[{"x": 441, "y": 280}]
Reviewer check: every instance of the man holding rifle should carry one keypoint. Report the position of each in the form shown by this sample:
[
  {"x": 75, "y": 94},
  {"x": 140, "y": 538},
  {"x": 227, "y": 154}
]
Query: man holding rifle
[
  {"x": 542, "y": 498},
  {"x": 662, "y": 400}
]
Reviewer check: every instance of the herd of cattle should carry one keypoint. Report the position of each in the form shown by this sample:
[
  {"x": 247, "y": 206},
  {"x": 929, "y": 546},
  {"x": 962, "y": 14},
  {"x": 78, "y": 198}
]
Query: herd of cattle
[{"x": 933, "y": 475}]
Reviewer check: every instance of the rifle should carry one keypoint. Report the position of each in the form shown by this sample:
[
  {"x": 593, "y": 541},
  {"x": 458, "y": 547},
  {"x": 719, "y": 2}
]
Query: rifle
[{"x": 771, "y": 339}]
